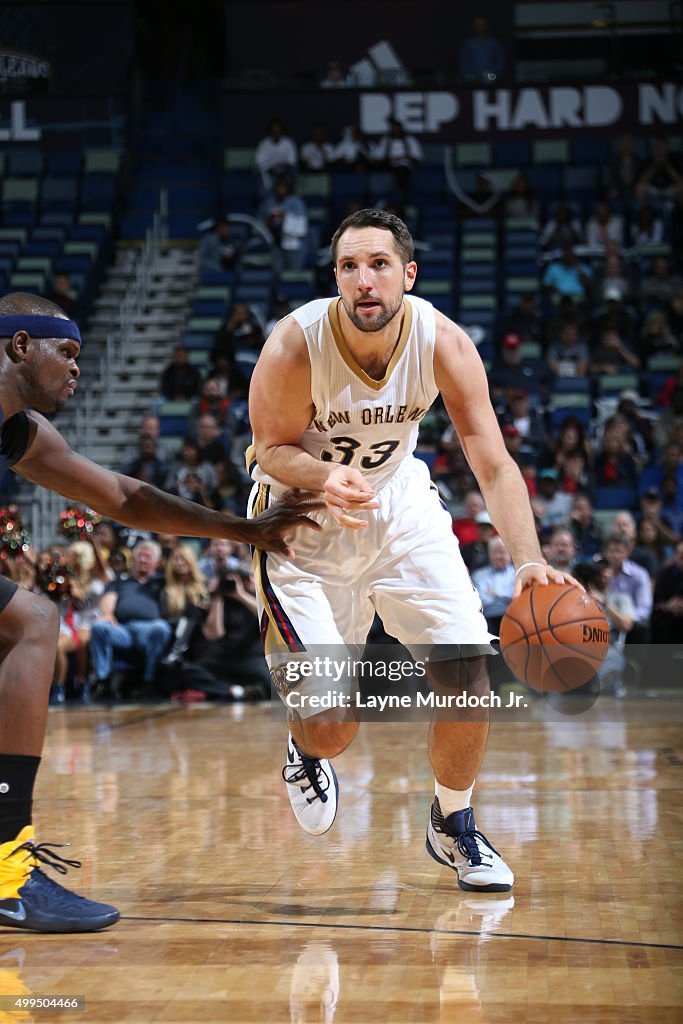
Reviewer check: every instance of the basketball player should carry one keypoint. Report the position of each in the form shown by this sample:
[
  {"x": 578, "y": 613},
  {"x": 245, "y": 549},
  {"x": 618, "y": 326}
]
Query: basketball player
[
  {"x": 335, "y": 402},
  {"x": 38, "y": 351}
]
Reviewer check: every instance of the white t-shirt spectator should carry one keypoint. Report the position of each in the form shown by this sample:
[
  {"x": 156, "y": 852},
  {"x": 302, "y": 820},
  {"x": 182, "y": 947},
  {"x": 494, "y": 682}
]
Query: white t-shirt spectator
[{"x": 271, "y": 155}]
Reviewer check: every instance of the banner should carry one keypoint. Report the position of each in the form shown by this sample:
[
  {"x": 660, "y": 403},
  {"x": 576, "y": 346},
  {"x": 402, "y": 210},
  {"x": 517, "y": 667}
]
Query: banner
[{"x": 449, "y": 116}]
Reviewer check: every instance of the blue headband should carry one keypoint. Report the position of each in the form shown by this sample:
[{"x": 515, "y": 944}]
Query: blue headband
[{"x": 39, "y": 326}]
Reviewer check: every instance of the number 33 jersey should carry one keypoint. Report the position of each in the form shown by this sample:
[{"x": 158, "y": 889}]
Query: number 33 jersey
[{"x": 371, "y": 425}]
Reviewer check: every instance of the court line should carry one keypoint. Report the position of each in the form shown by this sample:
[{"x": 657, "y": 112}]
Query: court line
[
  {"x": 399, "y": 928},
  {"x": 110, "y": 727}
]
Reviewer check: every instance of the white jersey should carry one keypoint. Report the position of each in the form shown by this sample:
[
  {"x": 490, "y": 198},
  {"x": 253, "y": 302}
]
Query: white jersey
[{"x": 368, "y": 424}]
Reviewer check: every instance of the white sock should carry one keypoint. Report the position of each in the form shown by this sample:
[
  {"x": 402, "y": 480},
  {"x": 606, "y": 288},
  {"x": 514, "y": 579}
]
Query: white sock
[{"x": 451, "y": 800}]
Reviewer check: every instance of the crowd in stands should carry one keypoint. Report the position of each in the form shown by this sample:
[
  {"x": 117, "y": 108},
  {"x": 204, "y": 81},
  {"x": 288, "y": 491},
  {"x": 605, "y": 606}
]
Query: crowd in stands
[{"x": 586, "y": 377}]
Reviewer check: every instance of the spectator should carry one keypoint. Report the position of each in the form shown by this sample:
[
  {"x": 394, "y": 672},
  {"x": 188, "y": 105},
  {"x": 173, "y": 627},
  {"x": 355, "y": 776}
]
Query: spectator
[
  {"x": 587, "y": 538},
  {"x": 211, "y": 402},
  {"x": 670, "y": 464},
  {"x": 147, "y": 467},
  {"x": 616, "y": 315},
  {"x": 60, "y": 293},
  {"x": 210, "y": 440},
  {"x": 614, "y": 463},
  {"x": 659, "y": 286},
  {"x": 352, "y": 152},
  {"x": 465, "y": 528},
  {"x": 568, "y": 357},
  {"x": 285, "y": 216},
  {"x": 562, "y": 549},
  {"x": 527, "y": 421},
  {"x": 520, "y": 201},
  {"x": 640, "y": 427},
  {"x": 275, "y": 154},
  {"x": 613, "y": 355},
  {"x": 192, "y": 479},
  {"x": 219, "y": 558},
  {"x": 318, "y": 153},
  {"x": 656, "y": 337},
  {"x": 631, "y": 579},
  {"x": 623, "y": 169},
  {"x": 651, "y": 550},
  {"x": 567, "y": 276},
  {"x": 524, "y": 320},
  {"x": 674, "y": 314},
  {"x": 335, "y": 77},
  {"x": 400, "y": 153},
  {"x": 217, "y": 249},
  {"x": 228, "y": 653},
  {"x": 562, "y": 231},
  {"x": 241, "y": 331},
  {"x": 90, "y": 577},
  {"x": 571, "y": 435},
  {"x": 647, "y": 229},
  {"x": 184, "y": 600},
  {"x": 482, "y": 58},
  {"x": 661, "y": 175},
  {"x": 574, "y": 474},
  {"x": 512, "y": 371},
  {"x": 513, "y": 442},
  {"x": 475, "y": 555},
  {"x": 667, "y": 619},
  {"x": 180, "y": 381},
  {"x": 604, "y": 227},
  {"x": 131, "y": 619},
  {"x": 495, "y": 584},
  {"x": 612, "y": 282},
  {"x": 620, "y": 614},
  {"x": 151, "y": 425},
  {"x": 556, "y": 503},
  {"x": 671, "y": 420}
]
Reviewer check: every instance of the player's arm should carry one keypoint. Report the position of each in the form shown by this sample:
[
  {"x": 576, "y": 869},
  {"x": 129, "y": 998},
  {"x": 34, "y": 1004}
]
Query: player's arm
[
  {"x": 461, "y": 379},
  {"x": 50, "y": 462},
  {"x": 280, "y": 410}
]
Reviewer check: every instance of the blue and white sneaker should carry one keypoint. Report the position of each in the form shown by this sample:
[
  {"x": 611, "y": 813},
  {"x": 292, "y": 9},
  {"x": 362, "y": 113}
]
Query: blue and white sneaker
[
  {"x": 313, "y": 790},
  {"x": 455, "y": 842}
]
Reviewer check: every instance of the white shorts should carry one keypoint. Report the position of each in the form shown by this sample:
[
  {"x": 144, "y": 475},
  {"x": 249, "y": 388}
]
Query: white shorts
[{"x": 406, "y": 566}]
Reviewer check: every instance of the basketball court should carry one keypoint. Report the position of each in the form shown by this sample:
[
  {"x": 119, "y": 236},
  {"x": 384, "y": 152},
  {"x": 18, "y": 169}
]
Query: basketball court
[{"x": 232, "y": 913}]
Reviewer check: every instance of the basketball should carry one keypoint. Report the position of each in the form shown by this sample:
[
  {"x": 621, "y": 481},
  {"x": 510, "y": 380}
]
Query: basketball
[{"x": 554, "y": 637}]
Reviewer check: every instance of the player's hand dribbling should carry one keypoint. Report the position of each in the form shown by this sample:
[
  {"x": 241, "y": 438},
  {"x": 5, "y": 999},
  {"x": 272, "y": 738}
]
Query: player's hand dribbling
[
  {"x": 269, "y": 530},
  {"x": 542, "y": 574},
  {"x": 346, "y": 492}
]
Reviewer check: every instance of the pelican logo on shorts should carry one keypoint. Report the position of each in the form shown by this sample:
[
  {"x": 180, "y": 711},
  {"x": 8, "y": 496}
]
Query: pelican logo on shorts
[
  {"x": 279, "y": 679},
  {"x": 595, "y": 635}
]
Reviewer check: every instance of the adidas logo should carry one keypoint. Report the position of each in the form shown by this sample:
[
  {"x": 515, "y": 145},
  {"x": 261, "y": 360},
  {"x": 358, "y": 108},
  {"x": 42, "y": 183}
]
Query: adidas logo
[{"x": 381, "y": 66}]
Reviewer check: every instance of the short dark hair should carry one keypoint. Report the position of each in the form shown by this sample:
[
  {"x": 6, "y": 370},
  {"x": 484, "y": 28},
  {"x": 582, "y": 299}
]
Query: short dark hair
[
  {"x": 24, "y": 303},
  {"x": 370, "y": 218},
  {"x": 617, "y": 538}
]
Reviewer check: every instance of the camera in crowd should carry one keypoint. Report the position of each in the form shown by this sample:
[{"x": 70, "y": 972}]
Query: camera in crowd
[{"x": 226, "y": 583}]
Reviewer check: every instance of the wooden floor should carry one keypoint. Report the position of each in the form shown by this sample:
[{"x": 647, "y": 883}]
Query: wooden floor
[{"x": 231, "y": 913}]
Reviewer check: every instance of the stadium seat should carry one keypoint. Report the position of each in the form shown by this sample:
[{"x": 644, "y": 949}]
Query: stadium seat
[
  {"x": 19, "y": 190},
  {"x": 614, "y": 498},
  {"x": 102, "y": 160},
  {"x": 612, "y": 384},
  {"x": 473, "y": 154},
  {"x": 24, "y": 163},
  {"x": 550, "y": 151}
]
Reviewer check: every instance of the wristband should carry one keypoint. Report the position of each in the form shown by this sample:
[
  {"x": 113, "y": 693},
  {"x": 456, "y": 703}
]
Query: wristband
[{"x": 526, "y": 566}]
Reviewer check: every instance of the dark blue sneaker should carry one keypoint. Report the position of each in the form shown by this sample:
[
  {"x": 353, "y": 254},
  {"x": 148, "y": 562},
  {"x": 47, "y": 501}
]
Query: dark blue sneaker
[{"x": 31, "y": 900}]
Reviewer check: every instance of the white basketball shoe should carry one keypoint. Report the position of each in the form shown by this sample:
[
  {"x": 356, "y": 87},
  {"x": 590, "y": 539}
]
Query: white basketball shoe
[
  {"x": 455, "y": 842},
  {"x": 313, "y": 790}
]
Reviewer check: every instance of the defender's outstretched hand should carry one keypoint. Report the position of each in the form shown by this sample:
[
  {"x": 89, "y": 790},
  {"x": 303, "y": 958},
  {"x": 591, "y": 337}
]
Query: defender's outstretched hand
[{"x": 270, "y": 530}]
